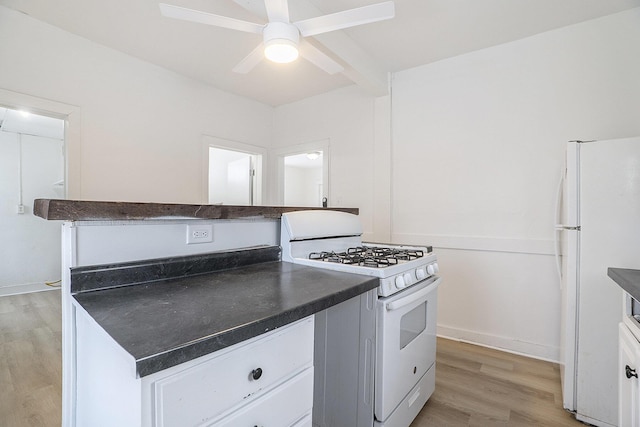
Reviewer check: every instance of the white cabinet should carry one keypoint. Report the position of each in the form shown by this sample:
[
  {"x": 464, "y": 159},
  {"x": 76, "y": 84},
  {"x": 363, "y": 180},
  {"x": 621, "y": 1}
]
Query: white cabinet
[
  {"x": 628, "y": 383},
  {"x": 265, "y": 381},
  {"x": 287, "y": 405},
  {"x": 251, "y": 384}
]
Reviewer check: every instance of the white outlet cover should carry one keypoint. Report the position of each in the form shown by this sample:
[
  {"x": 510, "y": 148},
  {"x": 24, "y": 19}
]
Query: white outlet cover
[{"x": 201, "y": 233}]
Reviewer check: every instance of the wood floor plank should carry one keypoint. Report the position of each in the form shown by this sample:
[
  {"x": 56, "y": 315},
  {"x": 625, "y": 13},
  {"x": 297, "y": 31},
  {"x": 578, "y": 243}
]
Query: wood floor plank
[
  {"x": 30, "y": 360},
  {"x": 479, "y": 386},
  {"x": 461, "y": 393},
  {"x": 438, "y": 413}
]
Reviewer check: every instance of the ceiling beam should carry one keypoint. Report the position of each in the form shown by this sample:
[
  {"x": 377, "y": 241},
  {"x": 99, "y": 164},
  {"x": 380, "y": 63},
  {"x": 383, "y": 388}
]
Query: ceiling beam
[{"x": 360, "y": 67}]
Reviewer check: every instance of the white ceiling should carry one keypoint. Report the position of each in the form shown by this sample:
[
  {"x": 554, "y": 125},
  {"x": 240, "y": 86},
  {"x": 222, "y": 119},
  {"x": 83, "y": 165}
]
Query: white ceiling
[
  {"x": 423, "y": 31},
  {"x": 304, "y": 161},
  {"x": 23, "y": 122}
]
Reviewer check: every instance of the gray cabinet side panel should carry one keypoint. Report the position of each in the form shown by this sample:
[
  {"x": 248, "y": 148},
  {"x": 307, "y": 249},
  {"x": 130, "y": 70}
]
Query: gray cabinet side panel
[{"x": 343, "y": 363}]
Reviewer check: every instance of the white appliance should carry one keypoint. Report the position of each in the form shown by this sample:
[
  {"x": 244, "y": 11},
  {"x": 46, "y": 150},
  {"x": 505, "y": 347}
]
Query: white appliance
[
  {"x": 406, "y": 306},
  {"x": 598, "y": 226}
]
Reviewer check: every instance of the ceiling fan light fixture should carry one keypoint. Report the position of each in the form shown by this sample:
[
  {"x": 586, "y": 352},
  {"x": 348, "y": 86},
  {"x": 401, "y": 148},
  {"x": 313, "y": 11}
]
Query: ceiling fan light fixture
[
  {"x": 281, "y": 42},
  {"x": 281, "y": 37},
  {"x": 281, "y": 51}
]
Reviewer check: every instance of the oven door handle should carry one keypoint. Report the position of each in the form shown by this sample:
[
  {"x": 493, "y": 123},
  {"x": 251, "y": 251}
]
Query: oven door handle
[{"x": 399, "y": 303}]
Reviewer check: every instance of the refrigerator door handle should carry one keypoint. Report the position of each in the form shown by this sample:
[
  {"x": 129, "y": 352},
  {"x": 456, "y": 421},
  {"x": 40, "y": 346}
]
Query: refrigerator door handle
[{"x": 559, "y": 227}]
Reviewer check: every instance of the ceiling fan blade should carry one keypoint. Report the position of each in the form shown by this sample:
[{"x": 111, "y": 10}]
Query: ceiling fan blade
[
  {"x": 318, "y": 58},
  {"x": 346, "y": 19},
  {"x": 251, "y": 60},
  {"x": 198, "y": 16},
  {"x": 277, "y": 10}
]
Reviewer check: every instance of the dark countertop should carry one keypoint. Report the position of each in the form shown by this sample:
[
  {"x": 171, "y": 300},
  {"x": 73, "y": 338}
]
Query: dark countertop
[
  {"x": 627, "y": 279},
  {"x": 167, "y": 322},
  {"x": 85, "y": 210}
]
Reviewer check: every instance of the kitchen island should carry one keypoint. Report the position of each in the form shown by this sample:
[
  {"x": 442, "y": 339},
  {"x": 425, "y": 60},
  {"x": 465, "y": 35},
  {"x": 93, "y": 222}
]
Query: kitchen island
[{"x": 157, "y": 328}]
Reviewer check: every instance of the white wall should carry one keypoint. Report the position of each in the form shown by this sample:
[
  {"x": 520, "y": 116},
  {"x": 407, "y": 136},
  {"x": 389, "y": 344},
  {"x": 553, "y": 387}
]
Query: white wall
[
  {"x": 472, "y": 164},
  {"x": 347, "y": 118},
  {"x": 30, "y": 249},
  {"x": 302, "y": 186},
  {"x": 141, "y": 125},
  {"x": 485, "y": 134}
]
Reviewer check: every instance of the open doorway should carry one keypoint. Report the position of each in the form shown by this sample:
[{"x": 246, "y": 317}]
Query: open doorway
[
  {"x": 32, "y": 165},
  {"x": 232, "y": 177},
  {"x": 303, "y": 184},
  {"x": 301, "y": 174},
  {"x": 234, "y": 172}
]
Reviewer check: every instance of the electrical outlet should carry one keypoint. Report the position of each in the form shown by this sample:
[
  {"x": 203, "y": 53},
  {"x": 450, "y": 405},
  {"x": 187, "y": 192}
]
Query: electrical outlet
[
  {"x": 199, "y": 233},
  {"x": 20, "y": 209}
]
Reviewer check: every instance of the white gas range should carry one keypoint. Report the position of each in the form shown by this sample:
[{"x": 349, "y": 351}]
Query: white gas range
[{"x": 406, "y": 306}]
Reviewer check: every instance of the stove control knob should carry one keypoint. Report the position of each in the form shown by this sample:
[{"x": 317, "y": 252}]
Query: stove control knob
[
  {"x": 420, "y": 273},
  {"x": 408, "y": 279},
  {"x": 432, "y": 268},
  {"x": 400, "y": 282}
]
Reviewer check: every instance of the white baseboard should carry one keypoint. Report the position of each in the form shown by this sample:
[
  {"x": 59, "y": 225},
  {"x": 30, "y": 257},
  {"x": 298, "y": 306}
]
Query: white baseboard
[
  {"x": 25, "y": 289},
  {"x": 510, "y": 345}
]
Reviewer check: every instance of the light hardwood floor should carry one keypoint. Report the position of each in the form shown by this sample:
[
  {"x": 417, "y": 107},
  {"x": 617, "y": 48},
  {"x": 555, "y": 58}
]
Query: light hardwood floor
[
  {"x": 475, "y": 386},
  {"x": 478, "y": 386},
  {"x": 30, "y": 360}
]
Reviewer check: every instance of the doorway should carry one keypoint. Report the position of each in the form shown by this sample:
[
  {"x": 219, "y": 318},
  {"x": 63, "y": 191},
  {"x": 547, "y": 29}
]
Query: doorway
[
  {"x": 301, "y": 174},
  {"x": 303, "y": 183},
  {"x": 234, "y": 173},
  {"x": 231, "y": 177},
  {"x": 32, "y": 166}
]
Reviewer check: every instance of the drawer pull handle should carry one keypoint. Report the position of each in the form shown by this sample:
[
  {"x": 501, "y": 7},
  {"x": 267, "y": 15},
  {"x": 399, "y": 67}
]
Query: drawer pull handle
[
  {"x": 630, "y": 372},
  {"x": 256, "y": 373}
]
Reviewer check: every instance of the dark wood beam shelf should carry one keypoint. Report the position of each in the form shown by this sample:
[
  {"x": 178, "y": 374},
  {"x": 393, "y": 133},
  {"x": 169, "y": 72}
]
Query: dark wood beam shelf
[{"x": 87, "y": 210}]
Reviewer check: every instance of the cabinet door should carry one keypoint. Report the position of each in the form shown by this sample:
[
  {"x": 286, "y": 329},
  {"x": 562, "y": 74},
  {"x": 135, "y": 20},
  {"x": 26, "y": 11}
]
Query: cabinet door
[
  {"x": 285, "y": 406},
  {"x": 207, "y": 391},
  {"x": 628, "y": 385}
]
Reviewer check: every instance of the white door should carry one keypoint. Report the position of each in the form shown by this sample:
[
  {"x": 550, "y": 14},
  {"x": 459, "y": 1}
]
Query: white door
[
  {"x": 232, "y": 177},
  {"x": 239, "y": 182},
  {"x": 567, "y": 226},
  {"x": 609, "y": 203}
]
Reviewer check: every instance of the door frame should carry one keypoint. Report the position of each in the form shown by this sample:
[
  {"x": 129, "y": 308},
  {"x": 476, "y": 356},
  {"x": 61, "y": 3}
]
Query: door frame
[
  {"x": 209, "y": 141},
  {"x": 71, "y": 116},
  {"x": 278, "y": 169},
  {"x": 73, "y": 190}
]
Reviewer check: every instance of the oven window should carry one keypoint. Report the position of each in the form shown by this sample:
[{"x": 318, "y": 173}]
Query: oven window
[{"x": 412, "y": 324}]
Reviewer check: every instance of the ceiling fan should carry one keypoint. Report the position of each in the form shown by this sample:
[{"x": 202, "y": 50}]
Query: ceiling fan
[{"x": 282, "y": 41}]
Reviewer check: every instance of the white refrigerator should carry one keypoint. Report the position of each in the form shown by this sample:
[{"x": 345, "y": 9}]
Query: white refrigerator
[{"x": 598, "y": 226}]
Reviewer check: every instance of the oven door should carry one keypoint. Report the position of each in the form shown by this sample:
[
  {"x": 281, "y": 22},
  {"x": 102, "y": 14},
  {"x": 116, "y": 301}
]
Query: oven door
[{"x": 406, "y": 345}]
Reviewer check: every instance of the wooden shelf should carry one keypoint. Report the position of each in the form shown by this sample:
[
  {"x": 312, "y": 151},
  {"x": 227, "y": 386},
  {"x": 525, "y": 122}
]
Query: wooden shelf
[{"x": 86, "y": 210}]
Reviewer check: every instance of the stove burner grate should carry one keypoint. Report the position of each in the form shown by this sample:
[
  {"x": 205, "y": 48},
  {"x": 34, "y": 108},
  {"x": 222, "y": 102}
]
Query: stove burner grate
[{"x": 368, "y": 256}]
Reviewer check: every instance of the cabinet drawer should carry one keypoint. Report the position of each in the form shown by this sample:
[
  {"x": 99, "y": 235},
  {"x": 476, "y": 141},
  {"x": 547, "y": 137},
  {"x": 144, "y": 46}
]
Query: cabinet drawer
[
  {"x": 304, "y": 422},
  {"x": 285, "y": 406},
  {"x": 205, "y": 391}
]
